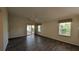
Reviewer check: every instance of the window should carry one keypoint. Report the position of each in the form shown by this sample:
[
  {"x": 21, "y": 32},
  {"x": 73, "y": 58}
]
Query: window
[
  {"x": 39, "y": 28},
  {"x": 65, "y": 28}
]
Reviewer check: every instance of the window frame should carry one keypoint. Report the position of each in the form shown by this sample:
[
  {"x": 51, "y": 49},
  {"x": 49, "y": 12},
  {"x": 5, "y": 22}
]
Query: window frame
[
  {"x": 39, "y": 30},
  {"x": 65, "y": 21}
]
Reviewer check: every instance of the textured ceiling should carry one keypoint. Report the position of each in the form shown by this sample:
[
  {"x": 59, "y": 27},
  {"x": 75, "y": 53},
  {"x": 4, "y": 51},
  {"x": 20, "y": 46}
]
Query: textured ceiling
[{"x": 40, "y": 14}]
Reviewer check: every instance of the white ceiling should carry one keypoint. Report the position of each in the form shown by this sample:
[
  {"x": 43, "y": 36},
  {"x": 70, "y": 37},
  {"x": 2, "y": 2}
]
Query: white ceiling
[{"x": 40, "y": 14}]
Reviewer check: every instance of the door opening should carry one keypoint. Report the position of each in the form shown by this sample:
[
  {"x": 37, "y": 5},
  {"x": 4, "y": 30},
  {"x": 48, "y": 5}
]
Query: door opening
[{"x": 30, "y": 29}]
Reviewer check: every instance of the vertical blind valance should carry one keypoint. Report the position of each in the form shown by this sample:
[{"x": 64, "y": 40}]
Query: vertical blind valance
[{"x": 65, "y": 20}]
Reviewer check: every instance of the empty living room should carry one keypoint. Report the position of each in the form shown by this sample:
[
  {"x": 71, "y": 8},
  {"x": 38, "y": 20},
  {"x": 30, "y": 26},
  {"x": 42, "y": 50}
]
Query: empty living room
[{"x": 39, "y": 28}]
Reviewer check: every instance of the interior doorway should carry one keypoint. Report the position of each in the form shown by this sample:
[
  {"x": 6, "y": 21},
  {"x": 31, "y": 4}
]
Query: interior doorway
[{"x": 30, "y": 30}]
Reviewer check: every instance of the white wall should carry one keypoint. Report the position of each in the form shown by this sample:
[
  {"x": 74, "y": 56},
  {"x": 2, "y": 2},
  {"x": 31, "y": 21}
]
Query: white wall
[
  {"x": 5, "y": 32},
  {"x": 1, "y": 31},
  {"x": 50, "y": 29},
  {"x": 4, "y": 29},
  {"x": 17, "y": 26}
]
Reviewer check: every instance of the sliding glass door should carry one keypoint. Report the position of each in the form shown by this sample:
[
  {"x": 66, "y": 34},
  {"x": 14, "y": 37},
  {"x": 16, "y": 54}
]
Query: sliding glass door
[{"x": 30, "y": 29}]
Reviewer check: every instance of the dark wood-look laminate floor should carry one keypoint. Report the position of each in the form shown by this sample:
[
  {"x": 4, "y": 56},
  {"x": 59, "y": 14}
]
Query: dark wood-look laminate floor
[{"x": 37, "y": 43}]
